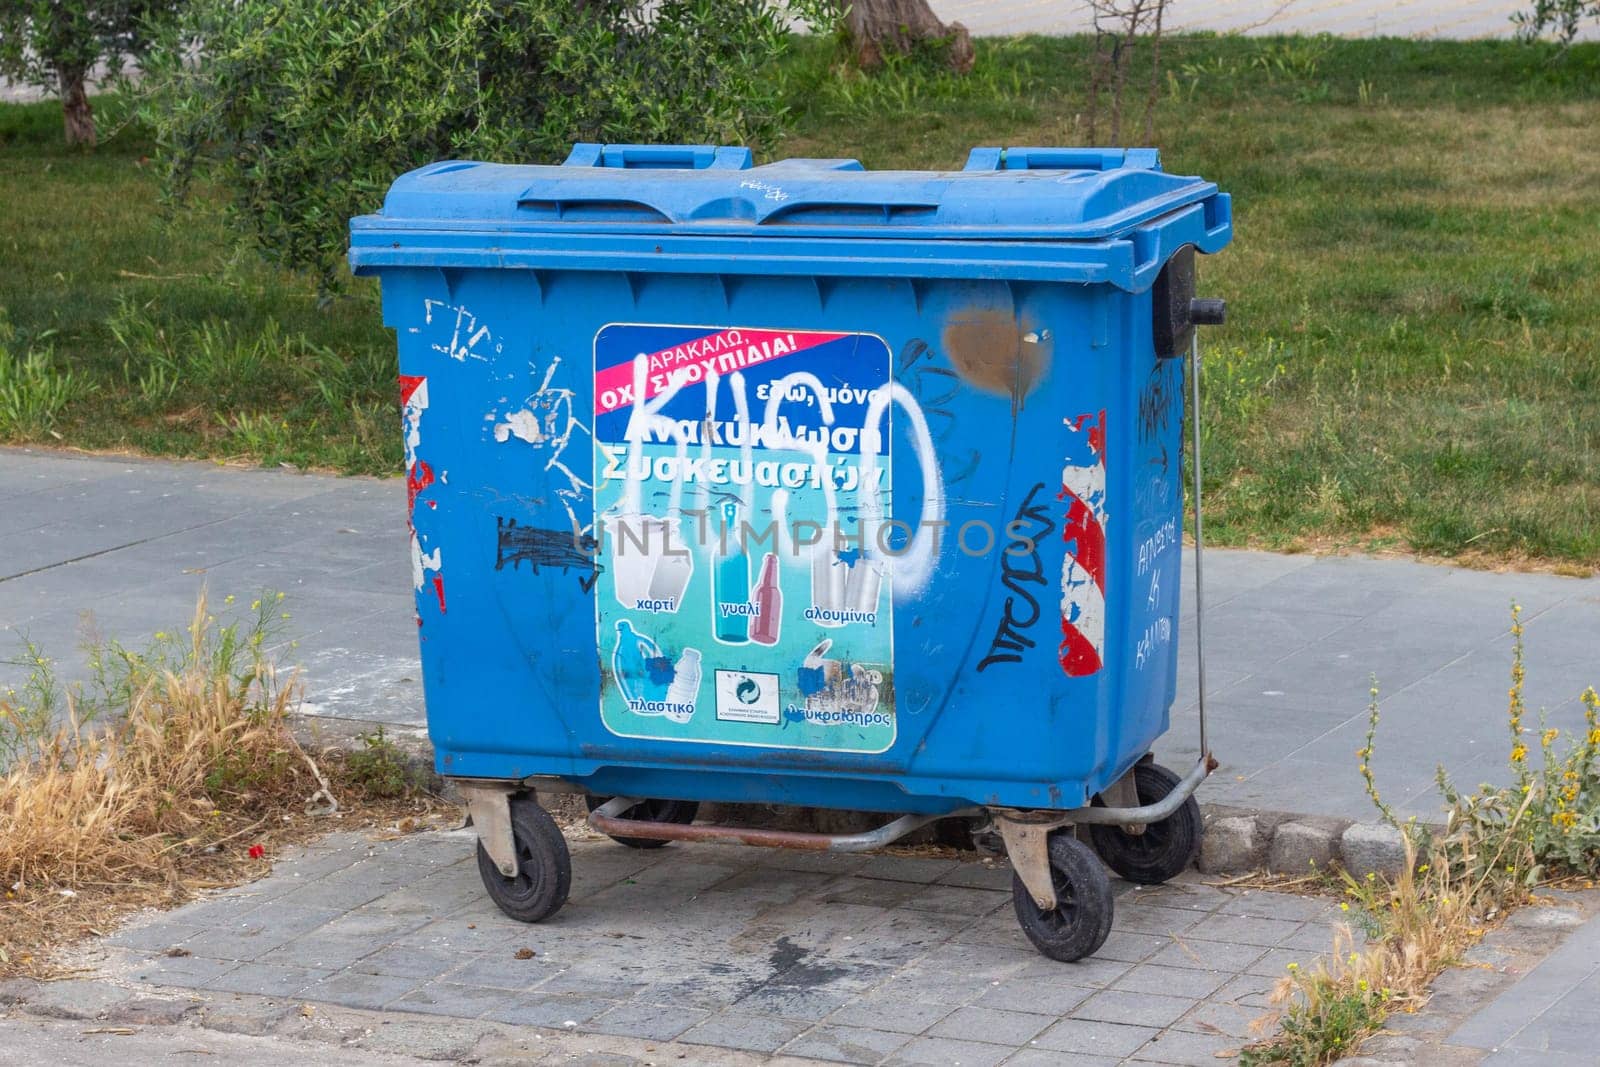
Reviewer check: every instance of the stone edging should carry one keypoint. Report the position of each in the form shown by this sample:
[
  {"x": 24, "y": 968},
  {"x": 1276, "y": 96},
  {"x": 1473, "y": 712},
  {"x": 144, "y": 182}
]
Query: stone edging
[{"x": 1238, "y": 840}]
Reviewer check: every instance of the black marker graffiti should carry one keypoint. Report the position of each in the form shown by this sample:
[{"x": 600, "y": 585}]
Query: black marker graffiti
[
  {"x": 1160, "y": 461},
  {"x": 1020, "y": 564},
  {"x": 542, "y": 547},
  {"x": 915, "y": 366},
  {"x": 1157, "y": 400}
]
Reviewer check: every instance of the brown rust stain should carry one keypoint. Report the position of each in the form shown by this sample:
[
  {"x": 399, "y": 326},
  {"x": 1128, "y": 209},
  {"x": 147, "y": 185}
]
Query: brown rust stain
[{"x": 996, "y": 353}]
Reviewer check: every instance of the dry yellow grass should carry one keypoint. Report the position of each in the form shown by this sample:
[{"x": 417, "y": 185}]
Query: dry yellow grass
[
  {"x": 167, "y": 796},
  {"x": 1418, "y": 923}
]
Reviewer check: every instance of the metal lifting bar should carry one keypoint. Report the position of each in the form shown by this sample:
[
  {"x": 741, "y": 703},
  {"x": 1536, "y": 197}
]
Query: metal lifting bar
[
  {"x": 607, "y": 819},
  {"x": 1199, "y": 542},
  {"x": 1206, "y": 312}
]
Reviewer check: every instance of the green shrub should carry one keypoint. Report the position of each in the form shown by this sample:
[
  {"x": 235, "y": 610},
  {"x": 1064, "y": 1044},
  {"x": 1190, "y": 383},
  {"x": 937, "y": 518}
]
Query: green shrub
[
  {"x": 380, "y": 769},
  {"x": 305, "y": 110}
]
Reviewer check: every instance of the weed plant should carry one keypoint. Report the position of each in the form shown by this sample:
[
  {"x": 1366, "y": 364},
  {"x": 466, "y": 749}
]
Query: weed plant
[{"x": 1497, "y": 844}]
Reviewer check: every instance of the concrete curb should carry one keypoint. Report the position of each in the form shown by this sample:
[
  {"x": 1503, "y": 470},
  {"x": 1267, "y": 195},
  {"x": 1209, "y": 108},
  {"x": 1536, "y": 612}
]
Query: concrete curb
[{"x": 1236, "y": 841}]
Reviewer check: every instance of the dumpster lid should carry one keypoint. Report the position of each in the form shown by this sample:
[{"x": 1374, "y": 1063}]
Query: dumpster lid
[{"x": 1003, "y": 193}]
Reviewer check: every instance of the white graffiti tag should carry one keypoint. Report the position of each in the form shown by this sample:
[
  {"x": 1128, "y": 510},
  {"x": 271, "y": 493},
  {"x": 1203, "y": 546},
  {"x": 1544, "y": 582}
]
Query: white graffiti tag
[
  {"x": 468, "y": 337},
  {"x": 914, "y": 560},
  {"x": 547, "y": 421}
]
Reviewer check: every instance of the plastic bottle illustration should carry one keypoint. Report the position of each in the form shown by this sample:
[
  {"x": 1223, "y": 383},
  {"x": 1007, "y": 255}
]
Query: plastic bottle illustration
[
  {"x": 635, "y": 664},
  {"x": 769, "y": 604},
  {"x": 730, "y": 586},
  {"x": 685, "y": 687}
]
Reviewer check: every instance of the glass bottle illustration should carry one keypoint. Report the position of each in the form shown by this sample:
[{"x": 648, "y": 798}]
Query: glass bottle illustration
[
  {"x": 769, "y": 604},
  {"x": 730, "y": 582}
]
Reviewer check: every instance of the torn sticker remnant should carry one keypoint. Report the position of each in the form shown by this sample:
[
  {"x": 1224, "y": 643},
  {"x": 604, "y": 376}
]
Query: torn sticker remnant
[{"x": 1083, "y": 571}]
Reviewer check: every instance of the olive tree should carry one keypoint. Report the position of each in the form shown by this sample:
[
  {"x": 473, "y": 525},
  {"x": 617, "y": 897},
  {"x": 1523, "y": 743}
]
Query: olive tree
[
  {"x": 56, "y": 44},
  {"x": 876, "y": 28},
  {"x": 1560, "y": 17},
  {"x": 302, "y": 111}
]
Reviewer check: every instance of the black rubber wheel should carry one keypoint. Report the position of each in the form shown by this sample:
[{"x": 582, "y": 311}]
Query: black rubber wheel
[
  {"x": 544, "y": 867},
  {"x": 1081, "y": 919},
  {"x": 1165, "y": 848},
  {"x": 678, "y": 811}
]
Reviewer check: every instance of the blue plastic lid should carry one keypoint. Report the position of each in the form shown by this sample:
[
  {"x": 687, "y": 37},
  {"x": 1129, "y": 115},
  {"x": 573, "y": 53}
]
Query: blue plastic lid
[
  {"x": 1080, "y": 215},
  {"x": 1013, "y": 193}
]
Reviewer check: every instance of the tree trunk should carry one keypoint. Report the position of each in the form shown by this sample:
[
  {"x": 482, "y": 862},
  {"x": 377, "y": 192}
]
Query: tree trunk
[
  {"x": 75, "y": 110},
  {"x": 877, "y": 27}
]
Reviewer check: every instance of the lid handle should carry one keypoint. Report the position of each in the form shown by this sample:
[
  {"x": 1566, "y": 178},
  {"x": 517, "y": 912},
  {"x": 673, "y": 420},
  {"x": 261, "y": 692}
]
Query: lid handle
[
  {"x": 660, "y": 156},
  {"x": 1063, "y": 159},
  {"x": 837, "y": 212}
]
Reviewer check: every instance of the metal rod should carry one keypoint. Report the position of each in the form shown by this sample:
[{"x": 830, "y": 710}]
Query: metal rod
[
  {"x": 1199, "y": 540},
  {"x": 607, "y": 819},
  {"x": 1149, "y": 813}
]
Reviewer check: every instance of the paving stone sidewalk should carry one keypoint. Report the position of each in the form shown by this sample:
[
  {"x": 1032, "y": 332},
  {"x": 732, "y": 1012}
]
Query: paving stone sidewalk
[
  {"x": 725, "y": 957},
  {"x": 850, "y": 959},
  {"x": 1291, "y": 640}
]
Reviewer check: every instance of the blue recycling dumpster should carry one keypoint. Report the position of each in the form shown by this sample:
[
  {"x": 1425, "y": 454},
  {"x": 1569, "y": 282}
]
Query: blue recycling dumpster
[{"x": 803, "y": 484}]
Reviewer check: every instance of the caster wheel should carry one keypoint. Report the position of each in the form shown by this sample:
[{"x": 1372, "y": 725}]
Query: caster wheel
[
  {"x": 544, "y": 867},
  {"x": 678, "y": 811},
  {"x": 1081, "y": 919},
  {"x": 1166, "y": 847}
]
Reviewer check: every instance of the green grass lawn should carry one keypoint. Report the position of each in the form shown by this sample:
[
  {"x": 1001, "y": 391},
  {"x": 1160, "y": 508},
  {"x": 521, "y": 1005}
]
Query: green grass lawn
[
  {"x": 176, "y": 344},
  {"x": 1414, "y": 288}
]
